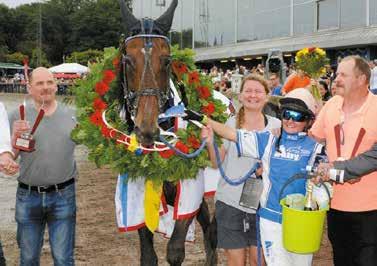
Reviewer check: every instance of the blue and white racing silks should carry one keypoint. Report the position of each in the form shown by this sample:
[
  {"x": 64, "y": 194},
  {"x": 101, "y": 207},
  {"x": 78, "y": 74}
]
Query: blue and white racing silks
[{"x": 296, "y": 152}]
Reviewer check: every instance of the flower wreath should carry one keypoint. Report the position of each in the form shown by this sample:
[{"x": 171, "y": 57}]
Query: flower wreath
[{"x": 99, "y": 92}]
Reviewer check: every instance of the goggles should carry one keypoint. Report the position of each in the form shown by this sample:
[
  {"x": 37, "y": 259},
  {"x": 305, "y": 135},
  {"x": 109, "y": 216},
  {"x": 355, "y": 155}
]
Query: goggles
[{"x": 294, "y": 115}]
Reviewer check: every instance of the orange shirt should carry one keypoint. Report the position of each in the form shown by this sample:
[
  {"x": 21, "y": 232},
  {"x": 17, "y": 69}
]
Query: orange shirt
[
  {"x": 360, "y": 196},
  {"x": 295, "y": 82}
]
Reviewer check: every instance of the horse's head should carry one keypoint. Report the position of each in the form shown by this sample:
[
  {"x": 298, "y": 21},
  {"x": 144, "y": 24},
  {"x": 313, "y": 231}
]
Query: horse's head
[{"x": 146, "y": 70}]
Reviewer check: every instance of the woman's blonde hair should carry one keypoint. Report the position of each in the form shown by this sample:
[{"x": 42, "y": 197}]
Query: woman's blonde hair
[{"x": 240, "y": 117}]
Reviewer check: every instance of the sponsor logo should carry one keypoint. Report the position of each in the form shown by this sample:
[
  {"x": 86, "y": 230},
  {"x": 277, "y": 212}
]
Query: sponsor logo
[{"x": 291, "y": 154}]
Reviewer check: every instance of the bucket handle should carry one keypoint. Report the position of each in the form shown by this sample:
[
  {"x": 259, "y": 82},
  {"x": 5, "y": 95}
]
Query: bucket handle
[{"x": 296, "y": 177}]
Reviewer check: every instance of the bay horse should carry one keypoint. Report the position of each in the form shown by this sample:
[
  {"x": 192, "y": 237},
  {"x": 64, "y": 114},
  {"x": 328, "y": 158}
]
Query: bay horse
[{"x": 144, "y": 76}]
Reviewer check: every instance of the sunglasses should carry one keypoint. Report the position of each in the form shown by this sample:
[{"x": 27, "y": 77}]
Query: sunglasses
[{"x": 294, "y": 115}]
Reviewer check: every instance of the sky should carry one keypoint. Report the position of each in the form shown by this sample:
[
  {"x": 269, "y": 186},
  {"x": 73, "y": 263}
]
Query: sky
[{"x": 14, "y": 3}]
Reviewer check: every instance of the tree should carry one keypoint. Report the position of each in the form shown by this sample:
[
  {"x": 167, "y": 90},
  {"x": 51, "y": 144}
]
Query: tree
[
  {"x": 3, "y": 52},
  {"x": 39, "y": 58},
  {"x": 96, "y": 25},
  {"x": 84, "y": 57},
  {"x": 4, "y": 11},
  {"x": 67, "y": 26},
  {"x": 16, "y": 58}
]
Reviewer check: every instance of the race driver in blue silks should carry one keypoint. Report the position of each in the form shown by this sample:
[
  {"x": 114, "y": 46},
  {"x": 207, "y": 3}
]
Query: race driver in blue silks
[{"x": 281, "y": 157}]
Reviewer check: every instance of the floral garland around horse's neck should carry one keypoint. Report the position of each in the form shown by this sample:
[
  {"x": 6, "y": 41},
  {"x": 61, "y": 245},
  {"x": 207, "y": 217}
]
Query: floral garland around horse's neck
[{"x": 100, "y": 92}]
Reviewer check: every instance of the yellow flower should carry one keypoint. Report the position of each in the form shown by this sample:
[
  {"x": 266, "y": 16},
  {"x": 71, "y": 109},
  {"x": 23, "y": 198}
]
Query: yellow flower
[
  {"x": 305, "y": 51},
  {"x": 133, "y": 143},
  {"x": 320, "y": 51}
]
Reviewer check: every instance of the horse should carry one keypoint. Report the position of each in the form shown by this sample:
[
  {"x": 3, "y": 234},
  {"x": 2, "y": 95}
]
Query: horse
[{"x": 144, "y": 77}]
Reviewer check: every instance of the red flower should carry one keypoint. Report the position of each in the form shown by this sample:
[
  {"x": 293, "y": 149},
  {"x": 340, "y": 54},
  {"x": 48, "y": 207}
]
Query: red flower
[
  {"x": 98, "y": 104},
  {"x": 193, "y": 142},
  {"x": 102, "y": 88},
  {"x": 166, "y": 153},
  {"x": 96, "y": 118},
  {"x": 193, "y": 78},
  {"x": 108, "y": 76},
  {"x": 146, "y": 152},
  {"x": 121, "y": 137},
  {"x": 311, "y": 49},
  {"x": 106, "y": 132},
  {"x": 182, "y": 147},
  {"x": 208, "y": 109},
  {"x": 116, "y": 62},
  {"x": 204, "y": 92},
  {"x": 179, "y": 69}
]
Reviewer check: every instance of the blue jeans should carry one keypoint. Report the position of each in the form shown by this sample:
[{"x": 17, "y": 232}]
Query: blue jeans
[
  {"x": 34, "y": 210},
  {"x": 2, "y": 258}
]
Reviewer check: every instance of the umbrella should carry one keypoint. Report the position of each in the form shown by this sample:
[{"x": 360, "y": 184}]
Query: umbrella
[
  {"x": 69, "y": 68},
  {"x": 66, "y": 75}
]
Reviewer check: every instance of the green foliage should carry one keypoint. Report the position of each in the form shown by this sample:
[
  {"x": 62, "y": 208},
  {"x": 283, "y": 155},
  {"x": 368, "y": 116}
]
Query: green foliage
[
  {"x": 106, "y": 151},
  {"x": 16, "y": 58},
  {"x": 84, "y": 57},
  {"x": 67, "y": 26},
  {"x": 3, "y": 53},
  {"x": 38, "y": 58}
]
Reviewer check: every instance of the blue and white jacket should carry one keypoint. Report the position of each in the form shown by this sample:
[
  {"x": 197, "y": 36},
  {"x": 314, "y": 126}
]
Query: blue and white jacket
[{"x": 296, "y": 152}]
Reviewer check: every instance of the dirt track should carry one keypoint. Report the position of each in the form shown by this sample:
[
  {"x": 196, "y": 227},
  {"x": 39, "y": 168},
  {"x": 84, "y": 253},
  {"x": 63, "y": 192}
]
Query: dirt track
[{"x": 97, "y": 239}]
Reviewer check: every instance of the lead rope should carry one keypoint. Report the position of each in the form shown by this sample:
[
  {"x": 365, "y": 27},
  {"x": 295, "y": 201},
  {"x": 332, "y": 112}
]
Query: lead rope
[
  {"x": 185, "y": 155},
  {"x": 231, "y": 181}
]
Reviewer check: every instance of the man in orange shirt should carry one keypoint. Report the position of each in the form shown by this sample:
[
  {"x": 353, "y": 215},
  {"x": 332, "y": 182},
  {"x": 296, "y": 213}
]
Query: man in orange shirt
[
  {"x": 348, "y": 126},
  {"x": 297, "y": 80}
]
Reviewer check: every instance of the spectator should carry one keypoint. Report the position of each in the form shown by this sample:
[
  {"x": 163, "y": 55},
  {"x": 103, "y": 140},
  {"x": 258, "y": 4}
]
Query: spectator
[
  {"x": 7, "y": 164},
  {"x": 216, "y": 84},
  {"x": 46, "y": 184},
  {"x": 335, "y": 90},
  {"x": 373, "y": 76},
  {"x": 347, "y": 125},
  {"x": 324, "y": 90},
  {"x": 275, "y": 84},
  {"x": 296, "y": 80}
]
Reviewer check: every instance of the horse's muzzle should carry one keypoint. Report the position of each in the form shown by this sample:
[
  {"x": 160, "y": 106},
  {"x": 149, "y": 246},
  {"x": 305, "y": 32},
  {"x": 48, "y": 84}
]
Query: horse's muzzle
[{"x": 147, "y": 137}]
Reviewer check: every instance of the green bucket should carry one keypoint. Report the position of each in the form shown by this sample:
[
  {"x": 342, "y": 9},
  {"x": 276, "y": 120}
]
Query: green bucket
[{"x": 302, "y": 230}]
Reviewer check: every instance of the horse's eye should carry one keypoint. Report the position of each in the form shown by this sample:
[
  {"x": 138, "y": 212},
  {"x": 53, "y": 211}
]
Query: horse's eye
[
  {"x": 165, "y": 60},
  {"x": 129, "y": 61}
]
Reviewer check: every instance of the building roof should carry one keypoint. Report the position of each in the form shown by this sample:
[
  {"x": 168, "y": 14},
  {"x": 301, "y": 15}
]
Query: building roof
[
  {"x": 11, "y": 66},
  {"x": 325, "y": 39}
]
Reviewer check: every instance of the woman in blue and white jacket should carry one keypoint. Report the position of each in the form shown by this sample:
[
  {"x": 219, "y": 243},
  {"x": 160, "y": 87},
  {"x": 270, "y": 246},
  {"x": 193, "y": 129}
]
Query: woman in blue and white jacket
[{"x": 281, "y": 157}]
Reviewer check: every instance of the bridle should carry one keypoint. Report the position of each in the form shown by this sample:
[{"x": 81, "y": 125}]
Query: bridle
[{"x": 132, "y": 95}]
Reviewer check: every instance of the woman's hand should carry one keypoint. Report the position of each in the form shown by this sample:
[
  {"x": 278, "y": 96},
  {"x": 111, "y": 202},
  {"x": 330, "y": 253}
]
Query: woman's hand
[{"x": 207, "y": 133}]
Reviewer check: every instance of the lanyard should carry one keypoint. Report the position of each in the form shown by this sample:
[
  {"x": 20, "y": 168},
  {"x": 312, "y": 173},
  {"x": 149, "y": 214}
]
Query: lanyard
[{"x": 338, "y": 130}]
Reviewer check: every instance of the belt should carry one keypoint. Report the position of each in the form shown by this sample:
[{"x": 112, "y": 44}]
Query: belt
[{"x": 46, "y": 189}]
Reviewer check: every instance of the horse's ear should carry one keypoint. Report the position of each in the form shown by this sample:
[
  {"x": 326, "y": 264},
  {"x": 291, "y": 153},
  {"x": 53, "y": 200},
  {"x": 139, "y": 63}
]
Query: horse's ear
[
  {"x": 128, "y": 18},
  {"x": 165, "y": 20}
]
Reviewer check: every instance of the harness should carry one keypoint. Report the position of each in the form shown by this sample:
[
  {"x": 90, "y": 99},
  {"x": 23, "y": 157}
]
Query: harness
[{"x": 132, "y": 95}]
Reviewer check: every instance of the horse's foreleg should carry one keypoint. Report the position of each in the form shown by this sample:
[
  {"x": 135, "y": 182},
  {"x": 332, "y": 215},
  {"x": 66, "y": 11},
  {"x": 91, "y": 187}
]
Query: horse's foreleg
[
  {"x": 148, "y": 256},
  {"x": 209, "y": 232},
  {"x": 176, "y": 246}
]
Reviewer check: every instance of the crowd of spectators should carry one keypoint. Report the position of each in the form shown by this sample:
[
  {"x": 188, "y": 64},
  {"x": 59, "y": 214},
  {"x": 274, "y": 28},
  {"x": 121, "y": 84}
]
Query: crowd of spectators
[
  {"x": 17, "y": 84},
  {"x": 292, "y": 78}
]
